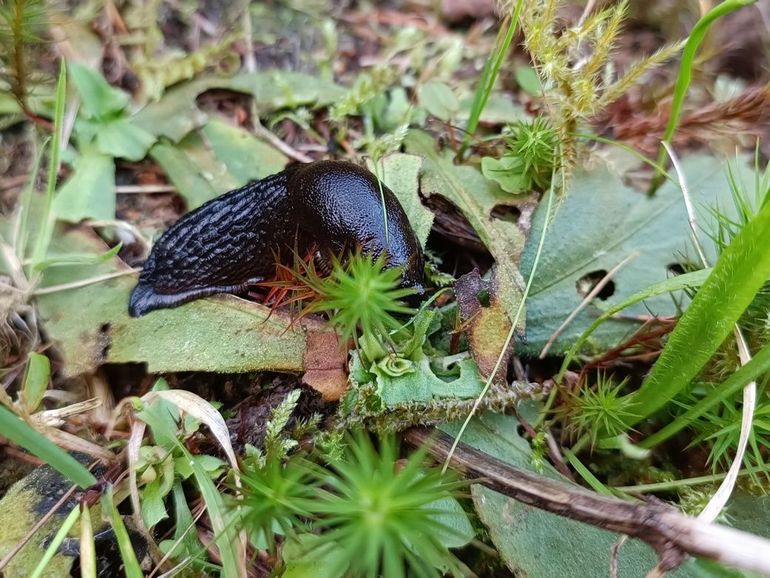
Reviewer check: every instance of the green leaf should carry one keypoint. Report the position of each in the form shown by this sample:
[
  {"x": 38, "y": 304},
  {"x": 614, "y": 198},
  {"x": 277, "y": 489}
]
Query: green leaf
[
  {"x": 504, "y": 171},
  {"x": 528, "y": 80},
  {"x": 439, "y": 100},
  {"x": 195, "y": 182},
  {"x": 162, "y": 417},
  {"x": 400, "y": 173},
  {"x": 303, "y": 557},
  {"x": 99, "y": 99},
  {"x": 246, "y": 157},
  {"x": 153, "y": 509},
  {"x": 601, "y": 222},
  {"x": 176, "y": 114},
  {"x": 451, "y": 515},
  {"x": 21, "y": 433},
  {"x": 90, "y": 191},
  {"x": 687, "y": 280},
  {"x": 500, "y": 109},
  {"x": 225, "y": 536},
  {"x": 420, "y": 384},
  {"x": 127, "y": 555},
  {"x": 123, "y": 139},
  {"x": 36, "y": 380}
]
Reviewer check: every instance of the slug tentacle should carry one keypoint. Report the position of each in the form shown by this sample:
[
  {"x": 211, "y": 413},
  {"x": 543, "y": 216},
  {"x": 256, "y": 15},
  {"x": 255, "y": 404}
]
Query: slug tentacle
[{"x": 231, "y": 242}]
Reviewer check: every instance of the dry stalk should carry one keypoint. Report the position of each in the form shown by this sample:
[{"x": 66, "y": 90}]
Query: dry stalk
[{"x": 671, "y": 534}]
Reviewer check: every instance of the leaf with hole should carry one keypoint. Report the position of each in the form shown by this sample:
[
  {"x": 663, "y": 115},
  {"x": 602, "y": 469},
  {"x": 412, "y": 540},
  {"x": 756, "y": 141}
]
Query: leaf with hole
[{"x": 600, "y": 222}]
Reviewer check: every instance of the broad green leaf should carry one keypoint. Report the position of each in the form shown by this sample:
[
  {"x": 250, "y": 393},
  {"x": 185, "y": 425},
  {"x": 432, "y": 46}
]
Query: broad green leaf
[
  {"x": 750, "y": 513},
  {"x": 98, "y": 99},
  {"x": 21, "y": 433},
  {"x": 500, "y": 109},
  {"x": 418, "y": 383},
  {"x": 451, "y": 515},
  {"x": 153, "y": 509},
  {"x": 121, "y": 138},
  {"x": 400, "y": 173},
  {"x": 408, "y": 377},
  {"x": 246, "y": 157},
  {"x": 680, "y": 282},
  {"x": 36, "y": 379},
  {"x": 176, "y": 113},
  {"x": 90, "y": 191},
  {"x": 439, "y": 100},
  {"x": 599, "y": 223},
  {"x": 302, "y": 558},
  {"x": 196, "y": 183},
  {"x": 278, "y": 89},
  {"x": 528, "y": 80}
]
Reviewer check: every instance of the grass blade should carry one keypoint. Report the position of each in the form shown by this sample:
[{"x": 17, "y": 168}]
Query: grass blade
[
  {"x": 489, "y": 77},
  {"x": 685, "y": 72},
  {"x": 127, "y": 555},
  {"x": 23, "y": 434},
  {"x": 758, "y": 365},
  {"x": 740, "y": 272},
  {"x": 87, "y": 545},
  {"x": 53, "y": 547},
  {"x": 225, "y": 535},
  {"x": 48, "y": 218}
]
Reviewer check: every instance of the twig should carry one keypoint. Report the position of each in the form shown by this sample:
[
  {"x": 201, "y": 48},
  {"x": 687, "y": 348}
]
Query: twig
[
  {"x": 278, "y": 143},
  {"x": 671, "y": 534},
  {"x": 144, "y": 189}
]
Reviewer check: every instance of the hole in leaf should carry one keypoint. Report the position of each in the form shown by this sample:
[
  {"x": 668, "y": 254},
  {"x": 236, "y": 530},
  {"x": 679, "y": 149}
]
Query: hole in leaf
[
  {"x": 675, "y": 269},
  {"x": 483, "y": 297},
  {"x": 506, "y": 213},
  {"x": 590, "y": 280}
]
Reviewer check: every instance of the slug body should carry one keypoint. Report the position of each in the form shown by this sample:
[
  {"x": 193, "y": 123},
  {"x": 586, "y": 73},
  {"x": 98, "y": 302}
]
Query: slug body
[{"x": 232, "y": 241}]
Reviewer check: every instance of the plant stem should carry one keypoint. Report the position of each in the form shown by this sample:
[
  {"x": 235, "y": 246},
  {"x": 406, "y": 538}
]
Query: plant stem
[{"x": 489, "y": 76}]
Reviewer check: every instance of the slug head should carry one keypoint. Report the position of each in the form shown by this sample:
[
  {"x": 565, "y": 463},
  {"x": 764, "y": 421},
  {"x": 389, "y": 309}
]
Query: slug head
[{"x": 347, "y": 208}]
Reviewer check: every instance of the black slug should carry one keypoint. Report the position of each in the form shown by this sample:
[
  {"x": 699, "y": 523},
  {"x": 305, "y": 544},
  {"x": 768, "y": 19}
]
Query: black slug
[{"x": 232, "y": 241}]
